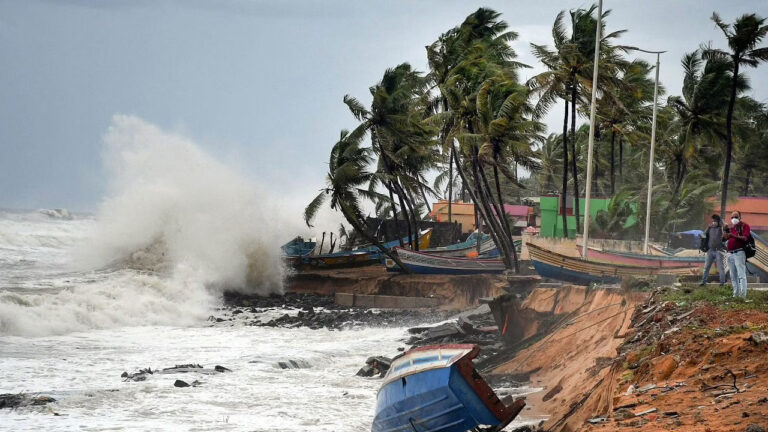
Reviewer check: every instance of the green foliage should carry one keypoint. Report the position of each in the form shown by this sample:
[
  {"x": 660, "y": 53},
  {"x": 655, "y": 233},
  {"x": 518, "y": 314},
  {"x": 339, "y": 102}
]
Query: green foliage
[{"x": 717, "y": 296}]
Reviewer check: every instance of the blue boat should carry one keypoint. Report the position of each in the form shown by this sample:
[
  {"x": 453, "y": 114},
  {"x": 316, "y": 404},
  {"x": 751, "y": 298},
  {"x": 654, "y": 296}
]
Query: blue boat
[
  {"x": 298, "y": 247},
  {"x": 424, "y": 263},
  {"x": 436, "y": 388}
]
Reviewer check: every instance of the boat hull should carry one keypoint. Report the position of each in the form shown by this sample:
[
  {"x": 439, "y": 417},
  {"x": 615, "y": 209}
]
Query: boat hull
[
  {"x": 437, "y": 389},
  {"x": 585, "y": 271},
  {"x": 423, "y": 263},
  {"x": 640, "y": 260}
]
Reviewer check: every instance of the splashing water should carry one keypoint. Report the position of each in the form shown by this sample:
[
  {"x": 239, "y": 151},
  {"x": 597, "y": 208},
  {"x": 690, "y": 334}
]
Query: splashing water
[{"x": 170, "y": 207}]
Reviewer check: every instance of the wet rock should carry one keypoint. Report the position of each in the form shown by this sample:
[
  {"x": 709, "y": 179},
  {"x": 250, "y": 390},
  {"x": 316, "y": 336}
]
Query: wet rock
[
  {"x": 374, "y": 366},
  {"x": 180, "y": 383},
  {"x": 755, "y": 428},
  {"x": 293, "y": 364},
  {"x": 8, "y": 400},
  {"x": 221, "y": 369}
]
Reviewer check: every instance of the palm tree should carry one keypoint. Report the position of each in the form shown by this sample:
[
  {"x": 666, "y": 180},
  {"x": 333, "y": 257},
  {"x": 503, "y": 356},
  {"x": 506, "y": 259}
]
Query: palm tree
[
  {"x": 700, "y": 109},
  {"x": 549, "y": 160},
  {"x": 347, "y": 174},
  {"x": 743, "y": 37},
  {"x": 400, "y": 139},
  {"x": 569, "y": 75}
]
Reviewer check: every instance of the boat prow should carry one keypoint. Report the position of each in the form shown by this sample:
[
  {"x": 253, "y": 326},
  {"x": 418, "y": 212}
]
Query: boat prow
[{"x": 436, "y": 388}]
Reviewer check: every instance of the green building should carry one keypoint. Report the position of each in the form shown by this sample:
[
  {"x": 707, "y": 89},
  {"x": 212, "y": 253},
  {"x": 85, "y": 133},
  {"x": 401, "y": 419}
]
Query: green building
[{"x": 552, "y": 220}]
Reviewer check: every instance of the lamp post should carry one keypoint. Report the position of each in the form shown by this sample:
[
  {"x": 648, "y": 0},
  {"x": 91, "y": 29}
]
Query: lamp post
[
  {"x": 590, "y": 147},
  {"x": 653, "y": 146}
]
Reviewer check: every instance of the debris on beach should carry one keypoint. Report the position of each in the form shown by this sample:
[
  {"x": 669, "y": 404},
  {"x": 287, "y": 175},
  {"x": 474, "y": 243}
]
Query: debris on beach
[
  {"x": 143, "y": 374},
  {"x": 375, "y": 366}
]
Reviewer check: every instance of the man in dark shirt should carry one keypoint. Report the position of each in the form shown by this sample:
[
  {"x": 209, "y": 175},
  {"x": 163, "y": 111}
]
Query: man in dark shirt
[
  {"x": 736, "y": 239},
  {"x": 714, "y": 249}
]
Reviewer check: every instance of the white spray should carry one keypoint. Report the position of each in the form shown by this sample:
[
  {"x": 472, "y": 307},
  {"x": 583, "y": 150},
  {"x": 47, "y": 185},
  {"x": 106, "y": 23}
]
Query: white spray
[{"x": 215, "y": 229}]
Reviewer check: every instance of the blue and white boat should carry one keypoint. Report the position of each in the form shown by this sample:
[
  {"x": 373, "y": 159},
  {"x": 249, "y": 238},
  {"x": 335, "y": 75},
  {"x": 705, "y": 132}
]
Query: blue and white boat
[
  {"x": 436, "y": 388},
  {"x": 424, "y": 263}
]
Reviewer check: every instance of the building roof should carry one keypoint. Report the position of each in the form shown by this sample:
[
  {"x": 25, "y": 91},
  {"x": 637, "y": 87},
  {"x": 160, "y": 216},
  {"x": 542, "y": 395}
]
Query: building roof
[
  {"x": 517, "y": 210},
  {"x": 754, "y": 211}
]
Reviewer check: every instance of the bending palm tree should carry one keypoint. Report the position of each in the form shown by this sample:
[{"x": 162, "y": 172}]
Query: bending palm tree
[
  {"x": 743, "y": 37},
  {"x": 347, "y": 173}
]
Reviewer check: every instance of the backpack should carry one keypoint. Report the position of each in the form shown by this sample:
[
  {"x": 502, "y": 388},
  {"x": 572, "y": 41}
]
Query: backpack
[{"x": 749, "y": 249}]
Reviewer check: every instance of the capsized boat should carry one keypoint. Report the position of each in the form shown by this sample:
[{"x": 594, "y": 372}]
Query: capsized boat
[
  {"x": 424, "y": 263},
  {"x": 436, "y": 388},
  {"x": 580, "y": 271}
]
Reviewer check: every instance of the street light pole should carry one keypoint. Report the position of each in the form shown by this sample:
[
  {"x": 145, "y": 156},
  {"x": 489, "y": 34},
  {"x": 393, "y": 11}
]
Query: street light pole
[
  {"x": 590, "y": 147},
  {"x": 653, "y": 146}
]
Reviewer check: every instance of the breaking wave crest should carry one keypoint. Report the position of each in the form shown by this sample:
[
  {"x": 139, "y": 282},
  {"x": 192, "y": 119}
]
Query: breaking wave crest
[{"x": 176, "y": 228}]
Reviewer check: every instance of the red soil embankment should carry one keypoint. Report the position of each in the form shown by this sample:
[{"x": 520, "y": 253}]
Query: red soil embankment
[
  {"x": 456, "y": 292},
  {"x": 577, "y": 353},
  {"x": 689, "y": 369}
]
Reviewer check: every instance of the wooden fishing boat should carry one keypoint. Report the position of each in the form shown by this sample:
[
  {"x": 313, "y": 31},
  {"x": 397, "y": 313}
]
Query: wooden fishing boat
[
  {"x": 425, "y": 238},
  {"x": 298, "y": 247},
  {"x": 424, "y": 263},
  {"x": 576, "y": 270},
  {"x": 436, "y": 388},
  {"x": 467, "y": 248},
  {"x": 642, "y": 260},
  {"x": 362, "y": 256}
]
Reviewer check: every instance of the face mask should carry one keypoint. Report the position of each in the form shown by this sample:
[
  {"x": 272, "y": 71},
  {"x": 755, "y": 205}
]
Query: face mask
[{"x": 734, "y": 221}]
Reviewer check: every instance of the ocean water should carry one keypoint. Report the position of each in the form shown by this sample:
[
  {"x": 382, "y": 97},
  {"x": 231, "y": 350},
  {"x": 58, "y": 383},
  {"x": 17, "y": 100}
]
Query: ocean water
[
  {"x": 133, "y": 285},
  {"x": 70, "y": 334}
]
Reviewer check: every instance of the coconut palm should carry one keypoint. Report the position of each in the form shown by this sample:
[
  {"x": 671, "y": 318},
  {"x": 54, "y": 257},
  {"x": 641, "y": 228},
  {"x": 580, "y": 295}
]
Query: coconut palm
[
  {"x": 400, "y": 139},
  {"x": 744, "y": 37},
  {"x": 347, "y": 175},
  {"x": 700, "y": 109}
]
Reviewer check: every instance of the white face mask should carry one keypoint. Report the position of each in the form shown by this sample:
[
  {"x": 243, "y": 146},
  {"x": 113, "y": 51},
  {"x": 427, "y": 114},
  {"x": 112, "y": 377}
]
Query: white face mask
[{"x": 734, "y": 221}]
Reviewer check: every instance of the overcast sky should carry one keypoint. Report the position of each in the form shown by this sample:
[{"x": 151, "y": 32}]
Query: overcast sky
[{"x": 258, "y": 83}]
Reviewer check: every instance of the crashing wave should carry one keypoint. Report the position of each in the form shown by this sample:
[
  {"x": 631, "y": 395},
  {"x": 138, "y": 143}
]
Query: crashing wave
[{"x": 58, "y": 213}]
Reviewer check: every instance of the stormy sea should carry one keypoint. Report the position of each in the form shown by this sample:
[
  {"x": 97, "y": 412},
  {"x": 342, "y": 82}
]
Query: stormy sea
[{"x": 93, "y": 307}]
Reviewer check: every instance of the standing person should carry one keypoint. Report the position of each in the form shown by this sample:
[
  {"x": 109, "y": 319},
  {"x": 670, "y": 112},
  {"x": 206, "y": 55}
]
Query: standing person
[
  {"x": 713, "y": 242},
  {"x": 736, "y": 240}
]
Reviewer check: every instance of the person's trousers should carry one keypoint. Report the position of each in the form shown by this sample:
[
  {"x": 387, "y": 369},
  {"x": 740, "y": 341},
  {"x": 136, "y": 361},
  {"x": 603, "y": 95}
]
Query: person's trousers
[
  {"x": 713, "y": 255},
  {"x": 737, "y": 264}
]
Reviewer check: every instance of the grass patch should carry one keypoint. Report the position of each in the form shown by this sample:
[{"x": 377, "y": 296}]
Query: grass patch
[{"x": 720, "y": 297}]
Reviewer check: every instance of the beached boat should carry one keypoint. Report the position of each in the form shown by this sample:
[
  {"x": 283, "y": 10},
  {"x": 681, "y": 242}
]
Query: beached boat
[
  {"x": 425, "y": 237},
  {"x": 436, "y": 388},
  {"x": 576, "y": 270},
  {"x": 642, "y": 260},
  {"x": 298, "y": 247},
  {"x": 362, "y": 256},
  {"x": 424, "y": 263},
  {"x": 465, "y": 248}
]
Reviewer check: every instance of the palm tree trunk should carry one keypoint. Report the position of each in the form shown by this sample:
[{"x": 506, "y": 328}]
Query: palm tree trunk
[
  {"x": 356, "y": 223},
  {"x": 424, "y": 197},
  {"x": 333, "y": 244},
  {"x": 394, "y": 214},
  {"x": 746, "y": 182},
  {"x": 479, "y": 208},
  {"x": 576, "y": 211},
  {"x": 621, "y": 159},
  {"x": 412, "y": 208},
  {"x": 504, "y": 219},
  {"x": 729, "y": 140},
  {"x": 613, "y": 161},
  {"x": 321, "y": 242},
  {"x": 404, "y": 209},
  {"x": 450, "y": 186},
  {"x": 564, "y": 194},
  {"x": 492, "y": 209}
]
